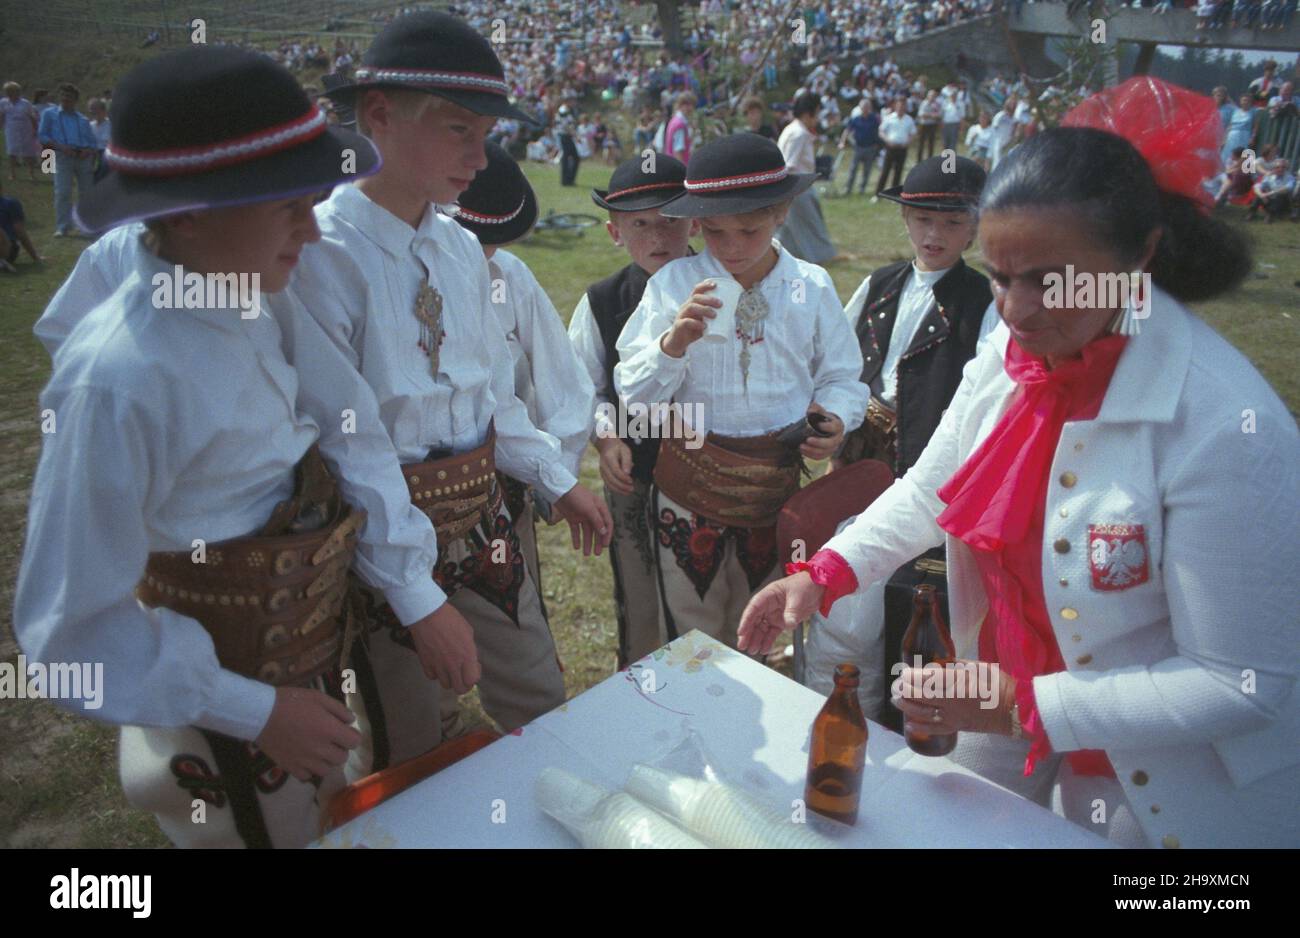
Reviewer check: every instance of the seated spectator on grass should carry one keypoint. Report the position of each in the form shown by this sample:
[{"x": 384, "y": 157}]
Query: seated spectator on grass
[
  {"x": 13, "y": 234},
  {"x": 1273, "y": 192},
  {"x": 1233, "y": 184}
]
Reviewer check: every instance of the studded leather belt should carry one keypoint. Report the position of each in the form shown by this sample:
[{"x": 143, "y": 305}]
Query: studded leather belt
[
  {"x": 457, "y": 492},
  {"x": 881, "y": 416},
  {"x": 273, "y": 602}
]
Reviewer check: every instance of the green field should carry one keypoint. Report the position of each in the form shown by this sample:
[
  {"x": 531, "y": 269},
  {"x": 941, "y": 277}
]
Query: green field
[{"x": 58, "y": 781}]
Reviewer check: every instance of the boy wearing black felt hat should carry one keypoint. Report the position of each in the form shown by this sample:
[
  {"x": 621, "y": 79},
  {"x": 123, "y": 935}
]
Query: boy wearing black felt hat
[
  {"x": 499, "y": 208},
  {"x": 781, "y": 384},
  {"x": 404, "y": 292},
  {"x": 917, "y": 323},
  {"x": 639, "y": 189},
  {"x": 182, "y": 471}
]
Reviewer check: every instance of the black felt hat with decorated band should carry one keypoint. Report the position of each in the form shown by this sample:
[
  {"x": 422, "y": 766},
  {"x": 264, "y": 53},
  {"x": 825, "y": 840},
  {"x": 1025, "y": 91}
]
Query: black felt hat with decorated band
[
  {"x": 438, "y": 53},
  {"x": 499, "y": 206},
  {"x": 929, "y": 186},
  {"x": 736, "y": 174},
  {"x": 634, "y": 189},
  {"x": 212, "y": 126}
]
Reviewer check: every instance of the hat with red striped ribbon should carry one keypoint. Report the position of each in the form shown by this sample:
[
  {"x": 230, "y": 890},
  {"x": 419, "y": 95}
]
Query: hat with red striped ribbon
[
  {"x": 739, "y": 173},
  {"x": 499, "y": 206},
  {"x": 645, "y": 181},
  {"x": 438, "y": 53},
  {"x": 940, "y": 183},
  {"x": 205, "y": 127}
]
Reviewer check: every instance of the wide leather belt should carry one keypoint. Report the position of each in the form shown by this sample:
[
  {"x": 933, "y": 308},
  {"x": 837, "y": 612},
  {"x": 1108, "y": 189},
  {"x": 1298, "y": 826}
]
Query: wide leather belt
[
  {"x": 736, "y": 481},
  {"x": 272, "y": 602},
  {"x": 456, "y": 492}
]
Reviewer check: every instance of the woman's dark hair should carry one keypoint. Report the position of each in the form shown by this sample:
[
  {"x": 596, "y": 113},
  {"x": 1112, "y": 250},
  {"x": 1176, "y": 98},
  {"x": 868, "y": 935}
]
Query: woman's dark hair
[
  {"x": 1104, "y": 177},
  {"x": 806, "y": 103}
]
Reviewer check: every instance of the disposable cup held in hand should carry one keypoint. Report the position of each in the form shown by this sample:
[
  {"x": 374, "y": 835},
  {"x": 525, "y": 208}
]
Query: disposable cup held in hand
[{"x": 723, "y": 326}]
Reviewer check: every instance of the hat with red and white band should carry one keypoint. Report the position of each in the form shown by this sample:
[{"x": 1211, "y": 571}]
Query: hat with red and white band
[
  {"x": 438, "y": 53},
  {"x": 739, "y": 173},
  {"x": 499, "y": 206},
  {"x": 642, "y": 182},
  {"x": 204, "y": 127}
]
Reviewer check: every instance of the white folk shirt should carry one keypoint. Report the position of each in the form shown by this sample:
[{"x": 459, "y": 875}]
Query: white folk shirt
[
  {"x": 360, "y": 282},
  {"x": 913, "y": 306},
  {"x": 397, "y": 546},
  {"x": 172, "y": 425},
  {"x": 808, "y": 353},
  {"x": 897, "y": 130},
  {"x": 100, "y": 270},
  {"x": 1154, "y": 667},
  {"x": 549, "y": 379},
  {"x": 799, "y": 147}
]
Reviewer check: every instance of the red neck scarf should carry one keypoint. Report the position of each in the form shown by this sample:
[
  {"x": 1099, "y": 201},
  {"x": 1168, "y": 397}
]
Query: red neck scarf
[{"x": 996, "y": 502}]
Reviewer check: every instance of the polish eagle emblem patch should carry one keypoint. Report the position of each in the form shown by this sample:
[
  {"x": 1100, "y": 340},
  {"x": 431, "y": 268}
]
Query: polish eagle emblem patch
[{"x": 1117, "y": 556}]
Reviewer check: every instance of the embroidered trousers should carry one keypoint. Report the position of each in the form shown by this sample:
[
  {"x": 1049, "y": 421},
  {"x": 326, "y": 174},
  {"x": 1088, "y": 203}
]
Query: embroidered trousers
[
  {"x": 636, "y": 587},
  {"x": 708, "y": 571}
]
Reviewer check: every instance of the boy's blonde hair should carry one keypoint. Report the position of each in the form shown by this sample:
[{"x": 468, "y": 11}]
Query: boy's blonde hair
[{"x": 12, "y": 86}]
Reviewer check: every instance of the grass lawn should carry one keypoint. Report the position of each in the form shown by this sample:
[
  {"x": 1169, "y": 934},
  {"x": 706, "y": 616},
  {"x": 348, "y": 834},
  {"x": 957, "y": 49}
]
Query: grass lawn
[{"x": 58, "y": 773}]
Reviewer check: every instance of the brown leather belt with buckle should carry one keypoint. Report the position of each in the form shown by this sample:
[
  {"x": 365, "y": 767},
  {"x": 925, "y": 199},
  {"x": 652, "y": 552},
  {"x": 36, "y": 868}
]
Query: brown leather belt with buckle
[
  {"x": 456, "y": 492},
  {"x": 272, "y": 602}
]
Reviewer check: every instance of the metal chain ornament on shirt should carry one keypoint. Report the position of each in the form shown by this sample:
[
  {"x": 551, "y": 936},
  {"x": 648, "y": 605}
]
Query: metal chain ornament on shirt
[
  {"x": 428, "y": 310},
  {"x": 751, "y": 312}
]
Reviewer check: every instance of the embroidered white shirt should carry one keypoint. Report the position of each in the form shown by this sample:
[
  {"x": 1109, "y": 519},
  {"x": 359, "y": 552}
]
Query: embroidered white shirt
[
  {"x": 171, "y": 426},
  {"x": 808, "y": 352},
  {"x": 397, "y": 546},
  {"x": 549, "y": 379},
  {"x": 360, "y": 282}
]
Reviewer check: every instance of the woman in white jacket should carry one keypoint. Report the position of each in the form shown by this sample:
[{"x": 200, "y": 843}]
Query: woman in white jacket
[{"x": 1117, "y": 488}]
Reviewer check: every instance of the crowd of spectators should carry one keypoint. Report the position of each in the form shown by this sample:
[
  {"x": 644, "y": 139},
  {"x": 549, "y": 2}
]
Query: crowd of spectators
[{"x": 559, "y": 56}]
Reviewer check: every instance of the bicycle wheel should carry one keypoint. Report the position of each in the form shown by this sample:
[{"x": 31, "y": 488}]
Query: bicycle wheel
[{"x": 570, "y": 221}]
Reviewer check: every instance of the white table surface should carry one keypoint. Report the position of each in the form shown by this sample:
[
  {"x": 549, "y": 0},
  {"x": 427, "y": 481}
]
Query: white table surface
[{"x": 755, "y": 724}]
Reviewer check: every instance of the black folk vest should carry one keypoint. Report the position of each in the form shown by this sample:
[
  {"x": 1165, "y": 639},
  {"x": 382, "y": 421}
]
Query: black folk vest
[
  {"x": 613, "y": 301},
  {"x": 930, "y": 370}
]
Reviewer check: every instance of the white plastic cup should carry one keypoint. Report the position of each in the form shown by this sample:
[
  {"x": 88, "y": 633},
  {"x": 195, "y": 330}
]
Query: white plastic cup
[{"x": 722, "y": 327}]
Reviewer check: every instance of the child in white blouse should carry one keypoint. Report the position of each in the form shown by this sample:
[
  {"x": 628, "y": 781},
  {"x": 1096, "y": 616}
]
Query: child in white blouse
[{"x": 782, "y": 385}]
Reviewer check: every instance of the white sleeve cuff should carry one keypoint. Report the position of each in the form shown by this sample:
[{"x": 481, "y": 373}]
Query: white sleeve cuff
[
  {"x": 555, "y": 481},
  {"x": 238, "y": 706},
  {"x": 664, "y": 361},
  {"x": 412, "y": 603}
]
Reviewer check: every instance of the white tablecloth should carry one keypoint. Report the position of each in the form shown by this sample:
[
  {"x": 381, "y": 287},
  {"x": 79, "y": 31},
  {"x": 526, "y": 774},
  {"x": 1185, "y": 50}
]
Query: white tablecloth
[{"x": 754, "y": 723}]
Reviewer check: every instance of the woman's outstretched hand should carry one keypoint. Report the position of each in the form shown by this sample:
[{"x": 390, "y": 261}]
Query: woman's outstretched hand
[{"x": 776, "y": 608}]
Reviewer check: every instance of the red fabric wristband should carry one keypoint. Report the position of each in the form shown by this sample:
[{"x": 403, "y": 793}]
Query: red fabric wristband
[{"x": 828, "y": 569}]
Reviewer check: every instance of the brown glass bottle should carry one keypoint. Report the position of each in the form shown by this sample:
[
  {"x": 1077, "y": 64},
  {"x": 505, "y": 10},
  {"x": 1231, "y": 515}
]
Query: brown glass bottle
[
  {"x": 927, "y": 638},
  {"x": 838, "y": 751}
]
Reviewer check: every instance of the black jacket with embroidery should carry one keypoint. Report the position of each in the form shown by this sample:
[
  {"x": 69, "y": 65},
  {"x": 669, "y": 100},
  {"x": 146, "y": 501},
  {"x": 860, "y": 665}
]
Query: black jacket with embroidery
[{"x": 930, "y": 370}]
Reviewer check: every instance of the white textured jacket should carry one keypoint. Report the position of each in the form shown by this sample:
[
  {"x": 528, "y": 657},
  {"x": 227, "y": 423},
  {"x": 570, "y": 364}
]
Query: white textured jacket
[{"x": 1170, "y": 567}]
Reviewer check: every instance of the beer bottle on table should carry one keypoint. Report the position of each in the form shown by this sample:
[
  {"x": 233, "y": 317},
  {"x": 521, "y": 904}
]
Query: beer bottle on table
[
  {"x": 838, "y": 751},
  {"x": 927, "y": 638}
]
